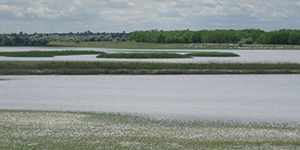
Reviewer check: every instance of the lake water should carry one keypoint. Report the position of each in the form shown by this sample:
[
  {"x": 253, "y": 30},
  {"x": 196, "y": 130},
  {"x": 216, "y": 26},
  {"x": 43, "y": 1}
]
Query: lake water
[
  {"x": 201, "y": 97},
  {"x": 245, "y": 55}
]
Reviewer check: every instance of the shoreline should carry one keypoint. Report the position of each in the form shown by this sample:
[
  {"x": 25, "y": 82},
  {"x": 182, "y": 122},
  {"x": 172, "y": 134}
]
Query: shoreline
[{"x": 178, "y": 46}]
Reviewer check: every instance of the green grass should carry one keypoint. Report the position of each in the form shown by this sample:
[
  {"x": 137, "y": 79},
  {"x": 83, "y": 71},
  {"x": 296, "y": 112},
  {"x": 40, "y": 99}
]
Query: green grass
[
  {"x": 212, "y": 54},
  {"x": 142, "y": 55},
  {"x": 111, "y": 67},
  {"x": 74, "y": 130},
  {"x": 46, "y": 53}
]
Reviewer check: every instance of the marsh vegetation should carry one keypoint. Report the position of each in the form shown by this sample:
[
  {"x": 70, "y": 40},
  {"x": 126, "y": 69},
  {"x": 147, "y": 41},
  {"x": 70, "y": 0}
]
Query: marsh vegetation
[
  {"x": 107, "y": 67},
  {"x": 138, "y": 55},
  {"x": 166, "y": 55},
  {"x": 68, "y": 130},
  {"x": 46, "y": 53},
  {"x": 142, "y": 55},
  {"x": 212, "y": 54}
]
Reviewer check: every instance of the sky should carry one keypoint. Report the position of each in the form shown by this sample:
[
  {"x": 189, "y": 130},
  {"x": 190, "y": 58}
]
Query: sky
[{"x": 63, "y": 16}]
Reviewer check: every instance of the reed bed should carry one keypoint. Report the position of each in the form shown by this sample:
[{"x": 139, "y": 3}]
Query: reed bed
[
  {"x": 113, "y": 67},
  {"x": 75, "y": 130}
]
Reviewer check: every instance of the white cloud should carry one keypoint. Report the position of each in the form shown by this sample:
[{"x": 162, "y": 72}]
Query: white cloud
[
  {"x": 12, "y": 9},
  {"x": 120, "y": 16},
  {"x": 160, "y": 14},
  {"x": 44, "y": 12},
  {"x": 4, "y": 8},
  {"x": 279, "y": 14}
]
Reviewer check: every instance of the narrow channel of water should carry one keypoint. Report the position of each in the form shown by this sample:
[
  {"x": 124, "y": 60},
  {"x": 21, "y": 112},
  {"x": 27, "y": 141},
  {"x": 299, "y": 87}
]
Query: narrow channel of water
[{"x": 211, "y": 97}]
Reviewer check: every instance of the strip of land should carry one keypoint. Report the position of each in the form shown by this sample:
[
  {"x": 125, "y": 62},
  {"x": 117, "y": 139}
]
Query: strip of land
[
  {"x": 152, "y": 55},
  {"x": 136, "y": 45},
  {"x": 140, "y": 55},
  {"x": 212, "y": 54},
  {"x": 76, "y": 130},
  {"x": 46, "y": 53},
  {"x": 112, "y": 67}
]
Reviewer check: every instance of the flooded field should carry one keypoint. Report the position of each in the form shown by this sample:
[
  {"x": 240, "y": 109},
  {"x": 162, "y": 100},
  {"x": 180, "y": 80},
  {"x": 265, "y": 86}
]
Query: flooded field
[{"x": 152, "y": 112}]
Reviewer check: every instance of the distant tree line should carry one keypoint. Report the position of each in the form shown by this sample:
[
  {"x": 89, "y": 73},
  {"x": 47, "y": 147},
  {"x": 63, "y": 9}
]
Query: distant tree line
[
  {"x": 15, "y": 39},
  {"x": 240, "y": 37},
  {"x": 246, "y": 36},
  {"x": 89, "y": 38},
  {"x": 23, "y": 40}
]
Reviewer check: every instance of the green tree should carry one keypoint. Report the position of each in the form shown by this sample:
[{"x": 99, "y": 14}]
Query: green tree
[
  {"x": 123, "y": 39},
  {"x": 77, "y": 41},
  {"x": 294, "y": 37},
  {"x": 1, "y": 39}
]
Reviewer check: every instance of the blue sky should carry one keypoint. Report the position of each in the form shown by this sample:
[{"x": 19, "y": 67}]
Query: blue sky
[{"x": 47, "y": 16}]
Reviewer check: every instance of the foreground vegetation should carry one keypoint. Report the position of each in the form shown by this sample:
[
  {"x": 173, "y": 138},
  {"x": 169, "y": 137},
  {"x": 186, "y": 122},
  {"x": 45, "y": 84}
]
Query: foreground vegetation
[
  {"x": 90, "y": 68},
  {"x": 70, "y": 130},
  {"x": 46, "y": 53}
]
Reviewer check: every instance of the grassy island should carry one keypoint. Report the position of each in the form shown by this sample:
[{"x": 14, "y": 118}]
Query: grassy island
[
  {"x": 46, "y": 53},
  {"x": 154, "y": 55},
  {"x": 132, "y": 55},
  {"x": 142, "y": 55},
  {"x": 112, "y": 67},
  {"x": 212, "y": 54}
]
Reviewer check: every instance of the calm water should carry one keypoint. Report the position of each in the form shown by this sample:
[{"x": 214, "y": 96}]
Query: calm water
[
  {"x": 245, "y": 55},
  {"x": 216, "y": 97}
]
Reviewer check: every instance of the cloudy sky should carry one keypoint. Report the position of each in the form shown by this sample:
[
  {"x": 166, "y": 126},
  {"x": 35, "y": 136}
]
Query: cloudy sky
[{"x": 45, "y": 16}]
